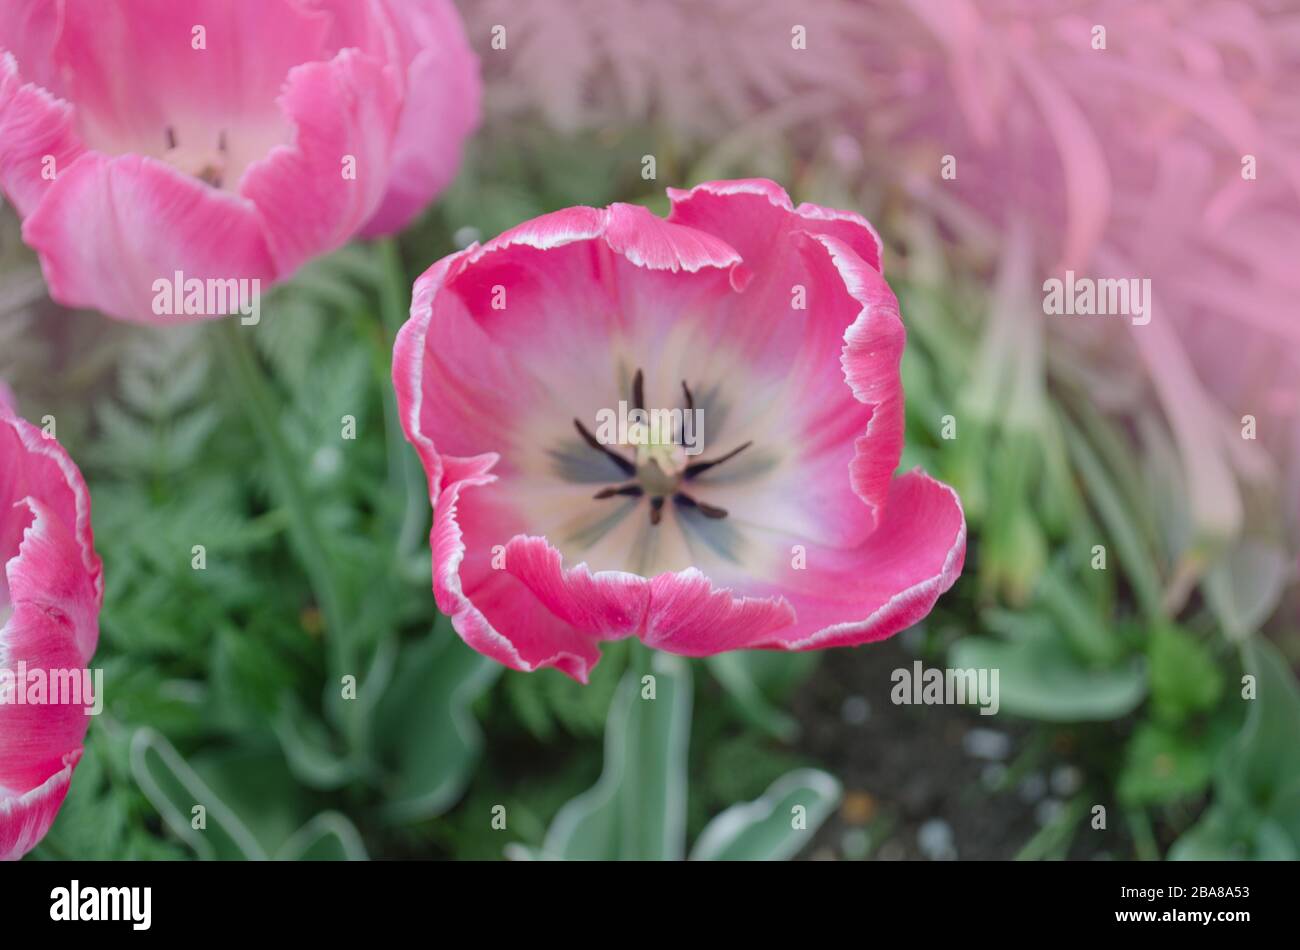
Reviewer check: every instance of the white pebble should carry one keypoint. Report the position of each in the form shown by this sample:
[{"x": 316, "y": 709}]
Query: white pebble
[
  {"x": 935, "y": 840},
  {"x": 855, "y": 711},
  {"x": 1066, "y": 780},
  {"x": 466, "y": 236},
  {"x": 1032, "y": 787},
  {"x": 987, "y": 744}
]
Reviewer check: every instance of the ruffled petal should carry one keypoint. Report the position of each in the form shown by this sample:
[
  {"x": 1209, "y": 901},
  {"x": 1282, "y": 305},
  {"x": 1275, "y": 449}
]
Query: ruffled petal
[
  {"x": 53, "y": 627},
  {"x": 35, "y": 467},
  {"x": 751, "y": 214},
  {"x": 50, "y": 595},
  {"x": 491, "y": 609},
  {"x": 691, "y": 616},
  {"x": 29, "y": 30},
  {"x": 109, "y": 228},
  {"x": 605, "y": 604},
  {"x": 37, "y": 138},
  {"x": 848, "y": 597},
  {"x": 26, "y": 818},
  {"x": 440, "y": 111},
  {"x": 315, "y": 194}
]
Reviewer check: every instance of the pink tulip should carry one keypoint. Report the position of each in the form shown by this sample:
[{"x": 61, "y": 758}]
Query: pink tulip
[
  {"x": 221, "y": 139},
  {"x": 787, "y": 529},
  {"x": 50, "y": 594}
]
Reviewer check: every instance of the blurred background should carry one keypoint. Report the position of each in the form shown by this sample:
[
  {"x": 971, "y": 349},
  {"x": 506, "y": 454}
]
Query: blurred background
[{"x": 1133, "y": 492}]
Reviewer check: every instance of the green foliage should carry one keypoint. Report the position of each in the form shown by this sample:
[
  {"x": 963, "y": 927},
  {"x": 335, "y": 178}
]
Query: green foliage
[
  {"x": 1184, "y": 677},
  {"x": 1041, "y": 679},
  {"x": 774, "y": 827},
  {"x": 1256, "y": 812},
  {"x": 638, "y": 808},
  {"x": 758, "y": 681}
]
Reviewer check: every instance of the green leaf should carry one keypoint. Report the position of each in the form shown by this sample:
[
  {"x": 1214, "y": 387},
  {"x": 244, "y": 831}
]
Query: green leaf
[
  {"x": 1220, "y": 836},
  {"x": 1162, "y": 765},
  {"x": 425, "y": 733},
  {"x": 1260, "y": 771},
  {"x": 637, "y": 810},
  {"x": 1039, "y": 677},
  {"x": 329, "y": 836},
  {"x": 1184, "y": 676},
  {"x": 175, "y": 789},
  {"x": 1135, "y": 554},
  {"x": 310, "y": 748},
  {"x": 1244, "y": 588},
  {"x": 254, "y": 782},
  {"x": 1256, "y": 813},
  {"x": 1210, "y": 839},
  {"x": 1087, "y": 633},
  {"x": 94, "y": 821},
  {"x": 547, "y": 697},
  {"x": 769, "y": 828},
  {"x": 750, "y": 676}
]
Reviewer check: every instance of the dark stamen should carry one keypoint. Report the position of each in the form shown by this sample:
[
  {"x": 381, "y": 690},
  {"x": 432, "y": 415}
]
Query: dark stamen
[
  {"x": 624, "y": 465},
  {"x": 634, "y": 491},
  {"x": 170, "y": 134},
  {"x": 690, "y": 400},
  {"x": 709, "y": 511},
  {"x": 638, "y": 390},
  {"x": 699, "y": 468},
  {"x": 656, "y": 509},
  {"x": 221, "y": 142}
]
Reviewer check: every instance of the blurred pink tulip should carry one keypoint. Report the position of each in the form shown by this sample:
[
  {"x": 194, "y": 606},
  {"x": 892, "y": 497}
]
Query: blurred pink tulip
[
  {"x": 221, "y": 139},
  {"x": 50, "y": 594}
]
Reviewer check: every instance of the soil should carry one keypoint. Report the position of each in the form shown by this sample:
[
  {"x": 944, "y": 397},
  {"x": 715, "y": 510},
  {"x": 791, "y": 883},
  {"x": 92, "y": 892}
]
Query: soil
[{"x": 923, "y": 782}]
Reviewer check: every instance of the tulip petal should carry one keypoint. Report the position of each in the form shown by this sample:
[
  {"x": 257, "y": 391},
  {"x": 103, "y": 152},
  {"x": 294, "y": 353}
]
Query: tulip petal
[
  {"x": 50, "y": 595},
  {"x": 315, "y": 194},
  {"x": 151, "y": 221},
  {"x": 441, "y": 109},
  {"x": 38, "y": 135},
  {"x": 25, "y": 818},
  {"x": 848, "y": 597},
  {"x": 53, "y": 627},
  {"x": 29, "y": 30},
  {"x": 691, "y": 616},
  {"x": 37, "y": 467},
  {"x": 752, "y": 213},
  {"x": 492, "y": 610},
  {"x": 135, "y": 68}
]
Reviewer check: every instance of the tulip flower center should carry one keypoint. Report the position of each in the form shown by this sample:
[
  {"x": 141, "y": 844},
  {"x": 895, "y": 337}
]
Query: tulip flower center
[
  {"x": 659, "y": 468},
  {"x": 206, "y": 164}
]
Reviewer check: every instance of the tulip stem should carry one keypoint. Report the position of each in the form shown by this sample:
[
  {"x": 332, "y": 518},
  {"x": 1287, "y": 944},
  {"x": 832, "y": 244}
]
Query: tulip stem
[
  {"x": 404, "y": 471},
  {"x": 259, "y": 406},
  {"x": 639, "y": 661}
]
